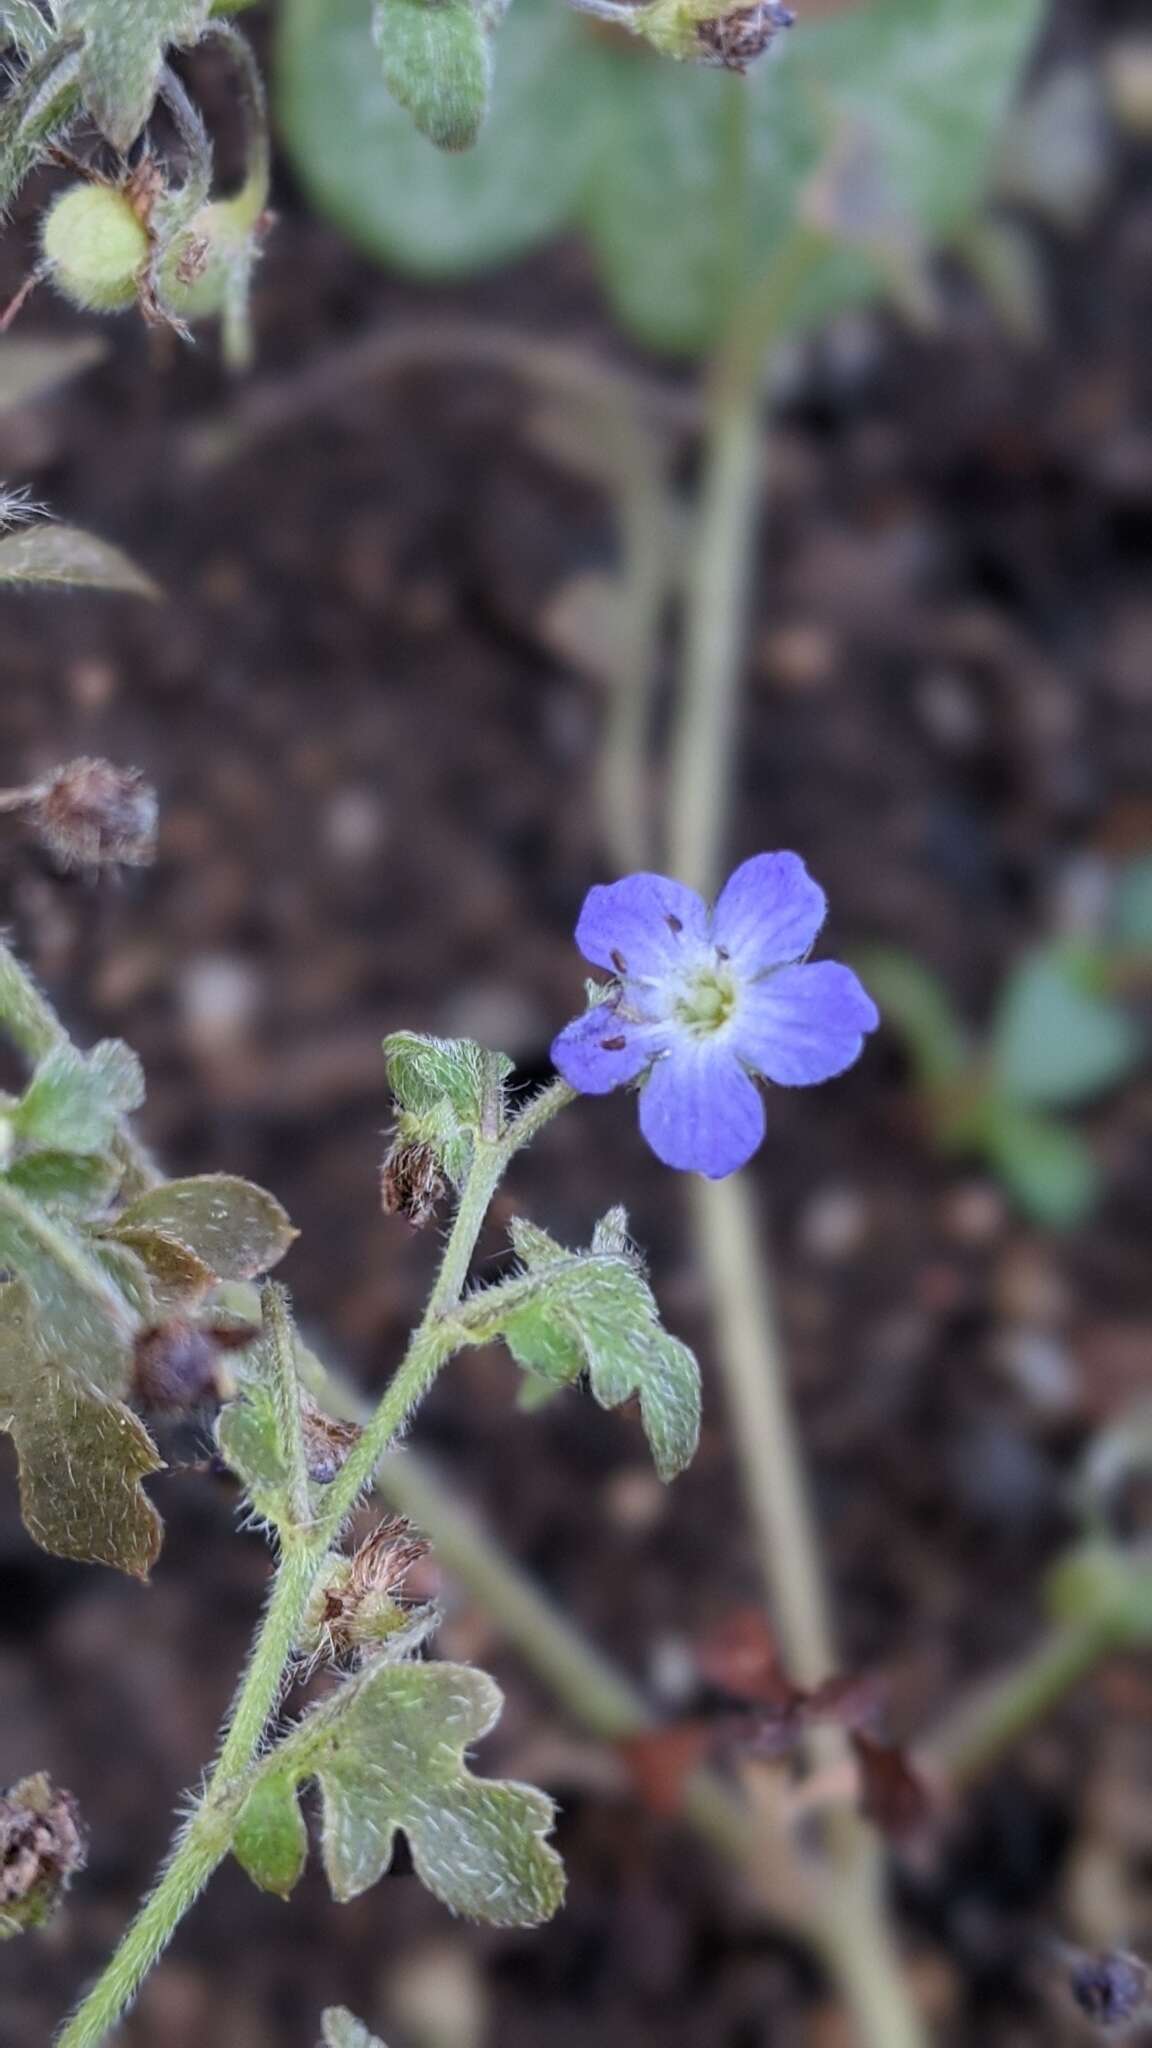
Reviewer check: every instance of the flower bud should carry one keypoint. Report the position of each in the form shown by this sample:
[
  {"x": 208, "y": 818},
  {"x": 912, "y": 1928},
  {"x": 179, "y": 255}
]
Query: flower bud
[
  {"x": 42, "y": 1846},
  {"x": 92, "y": 814},
  {"x": 95, "y": 247},
  {"x": 1112, "y": 1989}
]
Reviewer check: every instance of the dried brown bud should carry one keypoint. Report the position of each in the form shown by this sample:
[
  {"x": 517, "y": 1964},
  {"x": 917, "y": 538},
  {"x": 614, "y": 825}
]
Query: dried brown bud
[
  {"x": 42, "y": 1846},
  {"x": 326, "y": 1441},
  {"x": 177, "y": 1365},
  {"x": 411, "y": 1183},
  {"x": 362, "y": 1606},
  {"x": 91, "y": 814},
  {"x": 1112, "y": 1989},
  {"x": 893, "y": 1796}
]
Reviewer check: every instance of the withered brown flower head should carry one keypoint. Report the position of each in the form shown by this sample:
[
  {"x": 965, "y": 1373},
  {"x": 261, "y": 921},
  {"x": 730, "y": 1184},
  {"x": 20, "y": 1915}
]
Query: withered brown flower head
[
  {"x": 411, "y": 1183},
  {"x": 42, "y": 1846},
  {"x": 91, "y": 814}
]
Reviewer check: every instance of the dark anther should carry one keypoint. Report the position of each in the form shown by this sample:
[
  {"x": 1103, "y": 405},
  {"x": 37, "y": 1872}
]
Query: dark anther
[
  {"x": 722, "y": 953},
  {"x": 618, "y": 962},
  {"x": 674, "y": 923},
  {"x": 613, "y": 1044}
]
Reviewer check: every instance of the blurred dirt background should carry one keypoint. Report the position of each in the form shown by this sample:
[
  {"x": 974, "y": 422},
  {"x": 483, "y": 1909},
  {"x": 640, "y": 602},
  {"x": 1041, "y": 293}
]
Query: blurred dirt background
[{"x": 377, "y": 771}]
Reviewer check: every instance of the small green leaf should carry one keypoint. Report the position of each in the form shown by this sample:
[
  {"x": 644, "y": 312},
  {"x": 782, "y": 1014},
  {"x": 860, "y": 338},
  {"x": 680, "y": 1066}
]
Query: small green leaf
[
  {"x": 437, "y": 62},
  {"x": 75, "y": 1184},
  {"x": 449, "y": 1092},
  {"x": 343, "y": 2030},
  {"x": 261, "y": 1434},
  {"x": 1048, "y": 1168},
  {"x": 36, "y": 111},
  {"x": 917, "y": 1004},
  {"x": 596, "y": 1312},
  {"x": 63, "y": 554},
  {"x": 364, "y": 163},
  {"x": 236, "y": 1229},
  {"x": 248, "y": 1435},
  {"x": 74, "y": 1101},
  {"x": 1055, "y": 1042},
  {"x": 422, "y": 1072},
  {"x": 24, "y": 24},
  {"x": 179, "y": 1278},
  {"x": 271, "y": 1840},
  {"x": 388, "y": 1752},
  {"x": 125, "y": 42},
  {"x": 83, "y": 1317},
  {"x": 82, "y": 1454}
]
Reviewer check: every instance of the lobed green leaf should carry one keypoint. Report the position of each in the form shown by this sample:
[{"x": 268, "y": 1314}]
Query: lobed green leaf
[
  {"x": 74, "y": 1101},
  {"x": 388, "y": 1752},
  {"x": 235, "y": 1229},
  {"x": 124, "y": 46}
]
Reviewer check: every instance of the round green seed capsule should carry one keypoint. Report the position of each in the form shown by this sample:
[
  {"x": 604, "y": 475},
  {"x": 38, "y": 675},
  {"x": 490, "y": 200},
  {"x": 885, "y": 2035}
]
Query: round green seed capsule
[{"x": 95, "y": 247}]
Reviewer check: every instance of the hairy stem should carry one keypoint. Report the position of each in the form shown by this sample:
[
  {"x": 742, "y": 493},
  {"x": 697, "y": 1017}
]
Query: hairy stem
[
  {"x": 989, "y": 1720},
  {"x": 206, "y": 1839}
]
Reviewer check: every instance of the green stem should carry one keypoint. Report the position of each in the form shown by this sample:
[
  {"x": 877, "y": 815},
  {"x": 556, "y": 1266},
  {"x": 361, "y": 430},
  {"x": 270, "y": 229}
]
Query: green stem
[
  {"x": 850, "y": 1926},
  {"x": 1008, "y": 1704}
]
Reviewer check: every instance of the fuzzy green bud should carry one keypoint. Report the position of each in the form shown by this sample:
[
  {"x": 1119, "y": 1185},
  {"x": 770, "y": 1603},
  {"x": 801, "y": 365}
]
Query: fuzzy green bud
[{"x": 95, "y": 247}]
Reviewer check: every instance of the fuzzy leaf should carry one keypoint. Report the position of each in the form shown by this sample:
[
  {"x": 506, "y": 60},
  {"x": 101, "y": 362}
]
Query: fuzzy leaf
[
  {"x": 1056, "y": 1042},
  {"x": 449, "y": 1091},
  {"x": 262, "y": 1434},
  {"x": 83, "y": 1318},
  {"x": 596, "y": 1311},
  {"x": 63, "y": 554},
  {"x": 125, "y": 42},
  {"x": 36, "y": 111},
  {"x": 388, "y": 1753},
  {"x": 69, "y": 1182},
  {"x": 343, "y": 2030},
  {"x": 248, "y": 1435},
  {"x": 437, "y": 61},
  {"x": 422, "y": 1072},
  {"x": 1048, "y": 1168},
  {"x": 390, "y": 189},
  {"x": 82, "y": 1454},
  {"x": 179, "y": 1278},
  {"x": 23, "y": 24},
  {"x": 30, "y": 368},
  {"x": 237, "y": 1230},
  {"x": 75, "y": 1100},
  {"x": 271, "y": 1840}
]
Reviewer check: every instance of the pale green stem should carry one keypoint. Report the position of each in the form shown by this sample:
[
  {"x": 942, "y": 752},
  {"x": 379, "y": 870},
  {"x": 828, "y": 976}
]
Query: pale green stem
[
  {"x": 1011, "y": 1701},
  {"x": 850, "y": 1927}
]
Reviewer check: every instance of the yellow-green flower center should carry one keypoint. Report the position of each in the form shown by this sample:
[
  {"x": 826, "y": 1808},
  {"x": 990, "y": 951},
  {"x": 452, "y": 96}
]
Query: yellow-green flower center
[{"x": 708, "y": 1001}]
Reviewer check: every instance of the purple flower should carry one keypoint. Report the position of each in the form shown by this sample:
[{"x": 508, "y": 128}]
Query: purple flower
[{"x": 704, "y": 1001}]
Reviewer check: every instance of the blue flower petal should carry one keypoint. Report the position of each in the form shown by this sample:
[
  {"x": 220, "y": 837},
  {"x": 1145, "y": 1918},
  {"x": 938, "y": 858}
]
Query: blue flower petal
[
  {"x": 699, "y": 1111},
  {"x": 640, "y": 926},
  {"x": 601, "y": 1050},
  {"x": 803, "y": 1024},
  {"x": 768, "y": 912}
]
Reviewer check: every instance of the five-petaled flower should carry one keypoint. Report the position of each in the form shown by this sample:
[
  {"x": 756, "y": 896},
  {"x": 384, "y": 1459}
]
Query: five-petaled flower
[{"x": 703, "y": 1001}]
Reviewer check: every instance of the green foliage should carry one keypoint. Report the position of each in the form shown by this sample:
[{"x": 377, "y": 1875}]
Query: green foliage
[
  {"x": 1055, "y": 1041},
  {"x": 639, "y": 152},
  {"x": 237, "y": 1230},
  {"x": 82, "y": 1280},
  {"x": 271, "y": 1840},
  {"x": 59, "y": 555},
  {"x": 594, "y": 1312},
  {"x": 124, "y": 43},
  {"x": 437, "y": 63},
  {"x": 82, "y": 1453},
  {"x": 342, "y": 2030},
  {"x": 260, "y": 1434},
  {"x": 388, "y": 1753},
  {"x": 25, "y": 27},
  {"x": 37, "y": 110},
  {"x": 449, "y": 1093}
]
